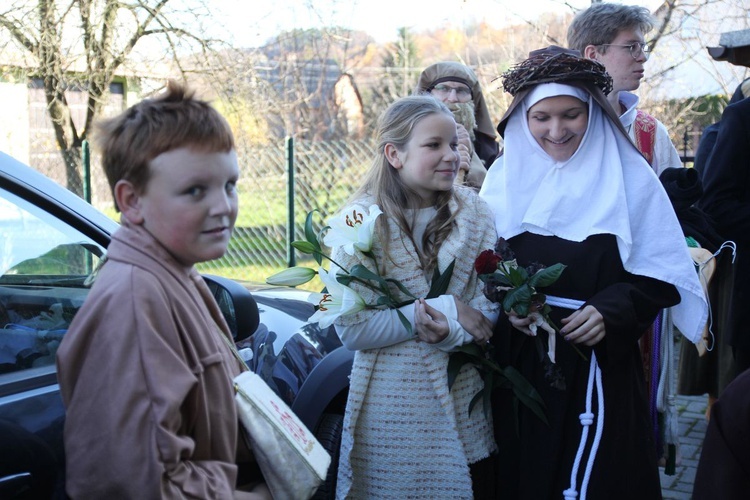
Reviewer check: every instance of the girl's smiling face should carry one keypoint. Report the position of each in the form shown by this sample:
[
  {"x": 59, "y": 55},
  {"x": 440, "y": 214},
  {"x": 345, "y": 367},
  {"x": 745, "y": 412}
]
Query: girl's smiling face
[
  {"x": 428, "y": 163},
  {"x": 558, "y": 124}
]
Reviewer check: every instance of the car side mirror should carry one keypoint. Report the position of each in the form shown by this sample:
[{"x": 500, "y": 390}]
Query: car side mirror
[{"x": 236, "y": 304}]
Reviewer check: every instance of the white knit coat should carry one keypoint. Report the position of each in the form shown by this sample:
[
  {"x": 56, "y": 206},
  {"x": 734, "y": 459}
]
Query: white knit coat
[{"x": 405, "y": 434}]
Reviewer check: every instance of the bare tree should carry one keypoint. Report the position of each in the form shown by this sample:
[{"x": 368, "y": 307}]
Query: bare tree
[
  {"x": 398, "y": 74},
  {"x": 84, "y": 43}
]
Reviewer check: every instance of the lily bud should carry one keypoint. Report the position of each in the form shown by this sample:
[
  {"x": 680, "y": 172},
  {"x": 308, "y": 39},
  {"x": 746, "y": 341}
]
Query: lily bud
[{"x": 292, "y": 277}]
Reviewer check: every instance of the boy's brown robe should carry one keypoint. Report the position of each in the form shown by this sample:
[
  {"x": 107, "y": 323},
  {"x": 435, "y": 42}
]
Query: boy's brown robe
[{"x": 147, "y": 381}]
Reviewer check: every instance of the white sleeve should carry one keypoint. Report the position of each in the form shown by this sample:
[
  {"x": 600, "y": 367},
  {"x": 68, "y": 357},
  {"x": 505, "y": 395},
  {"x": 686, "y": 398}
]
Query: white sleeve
[
  {"x": 492, "y": 315},
  {"x": 665, "y": 154},
  {"x": 384, "y": 328}
]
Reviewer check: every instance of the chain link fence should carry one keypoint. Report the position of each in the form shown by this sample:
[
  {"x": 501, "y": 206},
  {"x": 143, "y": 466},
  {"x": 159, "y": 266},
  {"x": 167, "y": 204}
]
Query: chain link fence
[{"x": 323, "y": 174}]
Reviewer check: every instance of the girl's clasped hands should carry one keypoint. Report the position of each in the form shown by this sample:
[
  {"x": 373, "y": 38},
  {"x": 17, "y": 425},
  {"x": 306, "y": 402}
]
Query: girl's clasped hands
[{"x": 432, "y": 326}]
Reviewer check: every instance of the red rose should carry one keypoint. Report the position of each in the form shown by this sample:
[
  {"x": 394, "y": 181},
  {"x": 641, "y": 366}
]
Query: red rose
[{"x": 487, "y": 262}]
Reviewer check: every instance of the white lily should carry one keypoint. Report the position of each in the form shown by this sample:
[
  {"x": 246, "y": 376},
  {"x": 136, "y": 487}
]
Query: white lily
[
  {"x": 353, "y": 229},
  {"x": 340, "y": 300}
]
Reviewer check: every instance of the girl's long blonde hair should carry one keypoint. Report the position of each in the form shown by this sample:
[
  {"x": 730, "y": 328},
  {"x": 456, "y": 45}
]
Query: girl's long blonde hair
[{"x": 383, "y": 183}]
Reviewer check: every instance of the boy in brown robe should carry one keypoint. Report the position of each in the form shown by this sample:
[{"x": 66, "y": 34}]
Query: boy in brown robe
[{"x": 144, "y": 373}]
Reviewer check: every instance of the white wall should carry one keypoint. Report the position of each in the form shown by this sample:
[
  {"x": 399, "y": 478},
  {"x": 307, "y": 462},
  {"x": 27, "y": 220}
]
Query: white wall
[{"x": 14, "y": 121}]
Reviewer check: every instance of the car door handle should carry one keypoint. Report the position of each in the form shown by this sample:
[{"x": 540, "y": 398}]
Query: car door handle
[{"x": 15, "y": 484}]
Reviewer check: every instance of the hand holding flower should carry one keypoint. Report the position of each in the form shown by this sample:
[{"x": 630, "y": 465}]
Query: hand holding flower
[
  {"x": 517, "y": 289},
  {"x": 521, "y": 323}
]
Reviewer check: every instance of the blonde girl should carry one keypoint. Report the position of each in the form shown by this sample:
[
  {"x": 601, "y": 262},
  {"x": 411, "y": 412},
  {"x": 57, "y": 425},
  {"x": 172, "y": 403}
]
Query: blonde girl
[{"x": 406, "y": 435}]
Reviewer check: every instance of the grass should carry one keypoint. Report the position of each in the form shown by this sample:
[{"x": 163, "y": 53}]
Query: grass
[{"x": 63, "y": 260}]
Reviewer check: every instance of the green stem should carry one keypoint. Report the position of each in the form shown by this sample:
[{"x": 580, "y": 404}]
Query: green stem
[
  {"x": 367, "y": 283},
  {"x": 355, "y": 278},
  {"x": 321, "y": 254},
  {"x": 387, "y": 290}
]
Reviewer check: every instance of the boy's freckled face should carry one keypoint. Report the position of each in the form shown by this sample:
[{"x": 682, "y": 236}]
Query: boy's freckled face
[{"x": 190, "y": 203}]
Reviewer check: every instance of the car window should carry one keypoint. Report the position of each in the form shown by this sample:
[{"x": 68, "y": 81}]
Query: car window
[{"x": 44, "y": 265}]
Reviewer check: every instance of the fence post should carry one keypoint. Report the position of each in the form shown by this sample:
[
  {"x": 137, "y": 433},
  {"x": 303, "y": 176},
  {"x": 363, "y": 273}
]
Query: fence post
[
  {"x": 291, "y": 262},
  {"x": 86, "y": 164}
]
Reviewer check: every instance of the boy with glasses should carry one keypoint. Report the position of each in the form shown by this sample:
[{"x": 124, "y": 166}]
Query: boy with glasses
[{"x": 613, "y": 34}]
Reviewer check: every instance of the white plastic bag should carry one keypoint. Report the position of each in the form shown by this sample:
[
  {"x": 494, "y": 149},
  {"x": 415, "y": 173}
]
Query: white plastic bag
[{"x": 293, "y": 462}]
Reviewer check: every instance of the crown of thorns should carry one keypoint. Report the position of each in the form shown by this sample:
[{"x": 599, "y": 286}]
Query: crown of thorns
[{"x": 558, "y": 68}]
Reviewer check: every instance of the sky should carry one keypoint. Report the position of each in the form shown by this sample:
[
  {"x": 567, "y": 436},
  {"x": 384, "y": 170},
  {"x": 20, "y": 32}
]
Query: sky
[{"x": 253, "y": 23}]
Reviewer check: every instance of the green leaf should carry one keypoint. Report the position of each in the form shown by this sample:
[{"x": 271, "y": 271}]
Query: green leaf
[
  {"x": 518, "y": 299},
  {"x": 479, "y": 396},
  {"x": 361, "y": 272},
  {"x": 310, "y": 235},
  {"x": 404, "y": 321},
  {"x": 344, "y": 279},
  {"x": 517, "y": 276},
  {"x": 312, "y": 238},
  {"x": 495, "y": 376},
  {"x": 304, "y": 246},
  {"x": 440, "y": 282},
  {"x": 501, "y": 278},
  {"x": 401, "y": 287},
  {"x": 471, "y": 349},
  {"x": 456, "y": 361},
  {"x": 526, "y": 393},
  {"x": 489, "y": 378},
  {"x": 546, "y": 276},
  {"x": 521, "y": 384},
  {"x": 383, "y": 301}
]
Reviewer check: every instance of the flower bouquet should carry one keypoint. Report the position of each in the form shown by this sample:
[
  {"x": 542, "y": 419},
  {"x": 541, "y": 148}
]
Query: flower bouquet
[
  {"x": 517, "y": 289},
  {"x": 351, "y": 230}
]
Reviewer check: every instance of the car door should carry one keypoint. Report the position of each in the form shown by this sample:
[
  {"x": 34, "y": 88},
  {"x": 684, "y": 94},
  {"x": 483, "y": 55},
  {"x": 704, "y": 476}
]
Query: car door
[{"x": 45, "y": 261}]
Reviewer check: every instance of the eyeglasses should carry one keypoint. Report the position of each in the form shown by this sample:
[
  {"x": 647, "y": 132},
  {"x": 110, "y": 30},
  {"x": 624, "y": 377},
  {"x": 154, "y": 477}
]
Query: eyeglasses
[
  {"x": 635, "y": 48},
  {"x": 463, "y": 93}
]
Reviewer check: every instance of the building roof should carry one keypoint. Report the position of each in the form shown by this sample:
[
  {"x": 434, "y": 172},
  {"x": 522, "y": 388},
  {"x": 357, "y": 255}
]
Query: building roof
[{"x": 734, "y": 47}]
